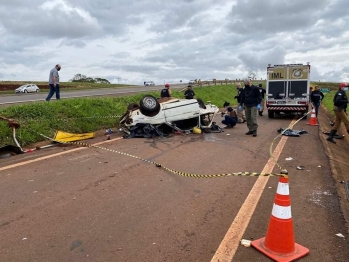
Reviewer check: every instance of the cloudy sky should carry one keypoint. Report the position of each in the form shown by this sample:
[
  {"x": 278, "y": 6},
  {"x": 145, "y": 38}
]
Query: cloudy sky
[{"x": 131, "y": 41}]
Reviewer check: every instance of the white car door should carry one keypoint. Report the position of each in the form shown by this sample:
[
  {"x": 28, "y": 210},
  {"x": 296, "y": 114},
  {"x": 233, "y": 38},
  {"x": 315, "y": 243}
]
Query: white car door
[{"x": 183, "y": 109}]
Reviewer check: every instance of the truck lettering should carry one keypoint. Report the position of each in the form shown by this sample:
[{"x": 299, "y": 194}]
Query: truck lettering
[{"x": 276, "y": 75}]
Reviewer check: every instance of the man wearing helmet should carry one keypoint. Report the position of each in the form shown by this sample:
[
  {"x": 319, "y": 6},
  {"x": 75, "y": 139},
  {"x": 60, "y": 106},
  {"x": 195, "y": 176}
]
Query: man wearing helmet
[
  {"x": 340, "y": 102},
  {"x": 166, "y": 92}
]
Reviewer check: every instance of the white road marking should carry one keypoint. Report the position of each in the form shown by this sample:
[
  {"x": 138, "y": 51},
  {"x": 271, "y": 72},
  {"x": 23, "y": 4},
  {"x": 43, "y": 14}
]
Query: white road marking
[
  {"x": 230, "y": 243},
  {"x": 54, "y": 155}
]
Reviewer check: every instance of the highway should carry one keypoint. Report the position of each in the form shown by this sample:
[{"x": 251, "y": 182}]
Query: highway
[
  {"x": 70, "y": 203},
  {"x": 34, "y": 97}
]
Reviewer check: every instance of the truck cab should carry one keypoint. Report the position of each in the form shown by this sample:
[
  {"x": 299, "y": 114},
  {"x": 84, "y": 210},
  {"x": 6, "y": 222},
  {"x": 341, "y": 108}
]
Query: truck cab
[{"x": 287, "y": 89}]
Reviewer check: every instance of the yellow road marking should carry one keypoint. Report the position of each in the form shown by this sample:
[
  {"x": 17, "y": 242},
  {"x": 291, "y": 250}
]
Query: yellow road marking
[
  {"x": 231, "y": 240},
  {"x": 54, "y": 155}
]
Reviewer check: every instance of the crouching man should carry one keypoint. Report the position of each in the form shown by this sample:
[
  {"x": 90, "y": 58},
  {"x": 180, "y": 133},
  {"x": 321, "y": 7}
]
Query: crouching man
[{"x": 230, "y": 117}]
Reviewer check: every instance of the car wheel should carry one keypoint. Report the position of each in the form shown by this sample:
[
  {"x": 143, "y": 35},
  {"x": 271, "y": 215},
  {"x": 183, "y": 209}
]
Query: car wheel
[
  {"x": 149, "y": 105},
  {"x": 37, "y": 90},
  {"x": 25, "y": 91}
]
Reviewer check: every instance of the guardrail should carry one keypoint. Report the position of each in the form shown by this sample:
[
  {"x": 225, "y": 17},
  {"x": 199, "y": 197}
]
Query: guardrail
[{"x": 225, "y": 81}]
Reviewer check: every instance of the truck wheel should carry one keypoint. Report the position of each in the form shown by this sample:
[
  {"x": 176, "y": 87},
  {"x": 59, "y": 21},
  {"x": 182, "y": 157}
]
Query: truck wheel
[{"x": 271, "y": 114}]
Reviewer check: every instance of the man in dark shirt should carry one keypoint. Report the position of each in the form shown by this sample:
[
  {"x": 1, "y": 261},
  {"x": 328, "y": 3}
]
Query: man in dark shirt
[
  {"x": 262, "y": 91},
  {"x": 240, "y": 113},
  {"x": 251, "y": 99},
  {"x": 230, "y": 119},
  {"x": 340, "y": 102},
  {"x": 316, "y": 97},
  {"x": 166, "y": 92},
  {"x": 189, "y": 93}
]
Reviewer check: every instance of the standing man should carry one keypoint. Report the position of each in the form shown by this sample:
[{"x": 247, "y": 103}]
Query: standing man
[
  {"x": 263, "y": 92},
  {"x": 166, "y": 92},
  {"x": 189, "y": 93},
  {"x": 316, "y": 97},
  {"x": 53, "y": 82},
  {"x": 240, "y": 113},
  {"x": 251, "y": 99},
  {"x": 340, "y": 102}
]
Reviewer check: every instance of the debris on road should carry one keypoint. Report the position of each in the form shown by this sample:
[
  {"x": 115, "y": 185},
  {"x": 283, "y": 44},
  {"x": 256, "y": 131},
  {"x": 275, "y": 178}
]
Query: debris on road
[
  {"x": 300, "y": 167},
  {"x": 290, "y": 132},
  {"x": 245, "y": 242},
  {"x": 339, "y": 235},
  {"x": 289, "y": 159}
]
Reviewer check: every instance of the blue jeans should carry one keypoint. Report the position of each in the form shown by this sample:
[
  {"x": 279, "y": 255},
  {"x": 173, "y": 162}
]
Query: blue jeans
[
  {"x": 316, "y": 105},
  {"x": 52, "y": 91},
  {"x": 229, "y": 121}
]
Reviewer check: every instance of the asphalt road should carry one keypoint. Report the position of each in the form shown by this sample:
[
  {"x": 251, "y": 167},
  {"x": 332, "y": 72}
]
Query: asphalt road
[
  {"x": 32, "y": 97},
  {"x": 90, "y": 204}
]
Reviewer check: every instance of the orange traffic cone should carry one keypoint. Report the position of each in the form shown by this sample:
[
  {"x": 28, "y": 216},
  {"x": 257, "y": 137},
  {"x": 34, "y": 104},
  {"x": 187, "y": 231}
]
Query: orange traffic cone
[
  {"x": 279, "y": 242},
  {"x": 313, "y": 119}
]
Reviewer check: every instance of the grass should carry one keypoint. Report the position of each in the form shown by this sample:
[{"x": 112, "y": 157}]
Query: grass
[{"x": 81, "y": 115}]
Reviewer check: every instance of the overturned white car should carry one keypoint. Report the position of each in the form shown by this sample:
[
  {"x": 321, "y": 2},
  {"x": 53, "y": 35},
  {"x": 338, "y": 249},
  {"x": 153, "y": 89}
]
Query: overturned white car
[{"x": 177, "y": 114}]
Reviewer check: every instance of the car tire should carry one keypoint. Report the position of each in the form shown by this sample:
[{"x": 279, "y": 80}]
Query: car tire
[
  {"x": 149, "y": 105},
  {"x": 25, "y": 91},
  {"x": 37, "y": 90}
]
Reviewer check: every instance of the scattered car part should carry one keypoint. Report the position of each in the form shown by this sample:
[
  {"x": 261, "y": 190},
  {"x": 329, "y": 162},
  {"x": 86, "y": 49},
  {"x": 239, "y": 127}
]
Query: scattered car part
[
  {"x": 8, "y": 150},
  {"x": 290, "y": 132}
]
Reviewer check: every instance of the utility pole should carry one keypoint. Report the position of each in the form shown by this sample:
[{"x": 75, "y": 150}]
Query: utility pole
[{"x": 118, "y": 78}]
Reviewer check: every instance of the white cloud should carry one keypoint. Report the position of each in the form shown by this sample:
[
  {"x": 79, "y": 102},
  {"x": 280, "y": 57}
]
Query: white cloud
[{"x": 171, "y": 40}]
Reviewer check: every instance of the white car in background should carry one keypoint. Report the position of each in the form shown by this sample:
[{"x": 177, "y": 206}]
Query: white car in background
[
  {"x": 27, "y": 88},
  {"x": 149, "y": 83}
]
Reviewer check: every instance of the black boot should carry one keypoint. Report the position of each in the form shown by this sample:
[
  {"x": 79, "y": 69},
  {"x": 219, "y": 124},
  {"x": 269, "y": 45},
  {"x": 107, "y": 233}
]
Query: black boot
[{"x": 331, "y": 135}]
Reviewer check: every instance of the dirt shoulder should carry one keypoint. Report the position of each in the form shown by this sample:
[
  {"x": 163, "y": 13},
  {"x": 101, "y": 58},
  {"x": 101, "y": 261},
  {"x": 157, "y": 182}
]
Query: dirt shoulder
[{"x": 338, "y": 157}]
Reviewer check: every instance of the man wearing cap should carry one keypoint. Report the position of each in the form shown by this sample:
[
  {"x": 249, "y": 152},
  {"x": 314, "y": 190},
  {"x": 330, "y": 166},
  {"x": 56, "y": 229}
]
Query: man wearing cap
[
  {"x": 166, "y": 92},
  {"x": 340, "y": 102},
  {"x": 189, "y": 93}
]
